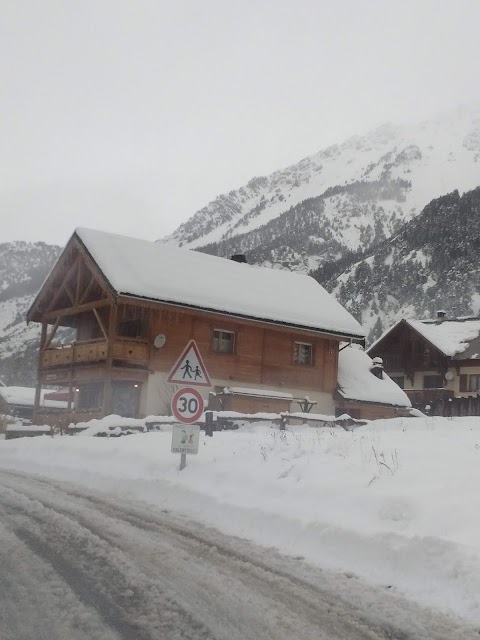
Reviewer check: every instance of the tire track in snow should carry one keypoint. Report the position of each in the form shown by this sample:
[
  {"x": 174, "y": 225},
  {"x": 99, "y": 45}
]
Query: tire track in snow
[{"x": 291, "y": 590}]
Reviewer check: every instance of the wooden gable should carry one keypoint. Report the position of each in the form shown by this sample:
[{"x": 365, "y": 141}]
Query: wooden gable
[
  {"x": 74, "y": 285},
  {"x": 405, "y": 349}
]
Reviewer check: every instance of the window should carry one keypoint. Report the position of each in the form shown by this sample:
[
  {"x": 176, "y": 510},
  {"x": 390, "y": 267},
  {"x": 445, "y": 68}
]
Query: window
[
  {"x": 131, "y": 329},
  {"x": 90, "y": 396},
  {"x": 302, "y": 353},
  {"x": 400, "y": 380},
  {"x": 223, "y": 341},
  {"x": 433, "y": 382},
  {"x": 474, "y": 382}
]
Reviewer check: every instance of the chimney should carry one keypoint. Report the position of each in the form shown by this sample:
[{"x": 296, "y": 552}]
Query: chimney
[
  {"x": 239, "y": 257},
  {"x": 377, "y": 367},
  {"x": 441, "y": 315}
]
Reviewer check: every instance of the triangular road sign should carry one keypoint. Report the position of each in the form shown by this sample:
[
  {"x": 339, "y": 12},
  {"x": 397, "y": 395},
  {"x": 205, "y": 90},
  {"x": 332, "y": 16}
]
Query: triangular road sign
[{"x": 189, "y": 368}]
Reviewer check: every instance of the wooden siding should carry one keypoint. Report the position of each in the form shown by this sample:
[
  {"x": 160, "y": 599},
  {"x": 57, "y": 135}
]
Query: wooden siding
[
  {"x": 263, "y": 355},
  {"x": 405, "y": 350},
  {"x": 368, "y": 411}
]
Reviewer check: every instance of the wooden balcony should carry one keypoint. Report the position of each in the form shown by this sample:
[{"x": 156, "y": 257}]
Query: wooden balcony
[{"x": 126, "y": 350}]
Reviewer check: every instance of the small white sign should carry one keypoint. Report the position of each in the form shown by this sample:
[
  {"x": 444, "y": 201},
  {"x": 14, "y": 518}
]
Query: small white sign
[{"x": 185, "y": 438}]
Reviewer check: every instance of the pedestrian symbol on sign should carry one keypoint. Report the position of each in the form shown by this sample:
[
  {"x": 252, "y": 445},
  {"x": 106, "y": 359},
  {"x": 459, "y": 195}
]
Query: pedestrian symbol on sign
[{"x": 187, "y": 368}]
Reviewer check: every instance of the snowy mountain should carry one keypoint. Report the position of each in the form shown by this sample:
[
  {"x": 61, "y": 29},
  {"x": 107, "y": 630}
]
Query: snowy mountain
[
  {"x": 23, "y": 267},
  {"x": 431, "y": 263},
  {"x": 344, "y": 198}
]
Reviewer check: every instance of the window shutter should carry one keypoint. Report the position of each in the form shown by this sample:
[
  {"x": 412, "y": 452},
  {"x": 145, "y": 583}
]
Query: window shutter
[{"x": 463, "y": 382}]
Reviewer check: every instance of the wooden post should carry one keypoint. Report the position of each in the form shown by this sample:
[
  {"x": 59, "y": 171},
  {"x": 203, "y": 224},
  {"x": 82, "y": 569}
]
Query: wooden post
[
  {"x": 107, "y": 385},
  {"x": 209, "y": 423},
  {"x": 38, "y": 388}
]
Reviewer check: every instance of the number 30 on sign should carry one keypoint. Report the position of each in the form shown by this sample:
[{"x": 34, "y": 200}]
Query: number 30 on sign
[{"x": 187, "y": 405}]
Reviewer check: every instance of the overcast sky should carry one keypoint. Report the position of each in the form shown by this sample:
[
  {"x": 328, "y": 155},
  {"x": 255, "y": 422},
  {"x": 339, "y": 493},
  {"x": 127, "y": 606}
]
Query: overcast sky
[{"x": 130, "y": 115}]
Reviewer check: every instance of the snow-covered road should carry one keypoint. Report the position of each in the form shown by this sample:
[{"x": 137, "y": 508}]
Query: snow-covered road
[{"x": 77, "y": 564}]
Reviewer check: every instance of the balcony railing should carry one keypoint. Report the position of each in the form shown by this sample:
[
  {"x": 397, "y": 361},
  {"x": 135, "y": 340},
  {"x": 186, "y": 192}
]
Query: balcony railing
[
  {"x": 124, "y": 349},
  {"x": 422, "y": 397}
]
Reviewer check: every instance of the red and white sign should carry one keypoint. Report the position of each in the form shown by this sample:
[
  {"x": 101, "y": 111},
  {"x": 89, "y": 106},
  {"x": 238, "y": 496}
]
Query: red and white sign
[
  {"x": 187, "y": 405},
  {"x": 189, "y": 368}
]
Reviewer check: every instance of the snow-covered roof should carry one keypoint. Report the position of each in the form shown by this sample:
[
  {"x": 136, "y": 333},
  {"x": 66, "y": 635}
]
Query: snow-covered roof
[
  {"x": 458, "y": 338},
  {"x": 357, "y": 382},
  {"x": 451, "y": 337},
  {"x": 25, "y": 397},
  {"x": 168, "y": 274}
]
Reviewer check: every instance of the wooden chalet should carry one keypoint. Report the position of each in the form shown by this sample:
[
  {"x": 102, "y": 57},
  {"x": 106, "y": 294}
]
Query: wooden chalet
[
  {"x": 116, "y": 313},
  {"x": 434, "y": 361}
]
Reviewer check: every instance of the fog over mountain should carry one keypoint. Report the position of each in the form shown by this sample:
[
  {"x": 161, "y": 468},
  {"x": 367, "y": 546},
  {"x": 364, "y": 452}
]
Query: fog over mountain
[
  {"x": 347, "y": 197},
  {"x": 355, "y": 215}
]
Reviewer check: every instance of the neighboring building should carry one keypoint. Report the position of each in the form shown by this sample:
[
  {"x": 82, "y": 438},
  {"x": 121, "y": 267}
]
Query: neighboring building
[
  {"x": 133, "y": 306},
  {"x": 364, "y": 390},
  {"x": 20, "y": 401},
  {"x": 432, "y": 360}
]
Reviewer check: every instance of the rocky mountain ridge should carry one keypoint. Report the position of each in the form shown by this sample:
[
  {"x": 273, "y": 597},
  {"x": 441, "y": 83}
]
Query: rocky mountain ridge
[
  {"x": 23, "y": 268},
  {"x": 431, "y": 263},
  {"x": 345, "y": 198}
]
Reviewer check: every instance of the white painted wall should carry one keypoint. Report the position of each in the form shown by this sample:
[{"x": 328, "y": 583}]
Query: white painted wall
[
  {"x": 451, "y": 385},
  {"x": 157, "y": 394}
]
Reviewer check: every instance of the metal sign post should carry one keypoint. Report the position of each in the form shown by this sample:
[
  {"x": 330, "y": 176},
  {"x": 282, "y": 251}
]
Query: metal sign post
[
  {"x": 187, "y": 407},
  {"x": 187, "y": 403},
  {"x": 183, "y": 461}
]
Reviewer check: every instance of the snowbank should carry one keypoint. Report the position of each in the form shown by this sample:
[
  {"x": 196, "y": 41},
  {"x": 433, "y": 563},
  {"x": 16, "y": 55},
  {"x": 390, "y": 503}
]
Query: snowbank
[{"x": 395, "y": 501}]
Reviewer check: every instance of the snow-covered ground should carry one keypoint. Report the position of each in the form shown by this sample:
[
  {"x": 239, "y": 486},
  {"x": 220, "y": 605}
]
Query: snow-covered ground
[{"x": 395, "y": 502}]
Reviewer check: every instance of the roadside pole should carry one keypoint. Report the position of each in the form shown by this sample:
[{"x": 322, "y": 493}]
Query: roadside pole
[
  {"x": 187, "y": 403},
  {"x": 187, "y": 407},
  {"x": 183, "y": 461},
  {"x": 209, "y": 423}
]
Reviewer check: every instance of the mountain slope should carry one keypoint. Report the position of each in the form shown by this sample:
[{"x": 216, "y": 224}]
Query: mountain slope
[
  {"x": 344, "y": 198},
  {"x": 431, "y": 263},
  {"x": 23, "y": 268}
]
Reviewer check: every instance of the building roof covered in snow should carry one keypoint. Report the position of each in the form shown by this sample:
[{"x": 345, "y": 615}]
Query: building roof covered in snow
[
  {"x": 181, "y": 277},
  {"x": 357, "y": 382},
  {"x": 458, "y": 338},
  {"x": 25, "y": 397}
]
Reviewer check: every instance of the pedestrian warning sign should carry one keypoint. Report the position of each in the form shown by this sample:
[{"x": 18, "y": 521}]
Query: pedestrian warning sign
[{"x": 189, "y": 368}]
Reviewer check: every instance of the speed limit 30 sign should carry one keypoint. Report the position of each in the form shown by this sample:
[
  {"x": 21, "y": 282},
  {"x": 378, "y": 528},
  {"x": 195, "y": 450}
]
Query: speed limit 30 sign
[{"x": 187, "y": 405}]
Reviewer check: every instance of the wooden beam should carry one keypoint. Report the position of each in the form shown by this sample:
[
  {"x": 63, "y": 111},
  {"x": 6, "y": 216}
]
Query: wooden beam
[
  {"x": 62, "y": 286},
  {"x": 79, "y": 282},
  {"x": 38, "y": 388},
  {"x": 79, "y": 308},
  {"x": 87, "y": 290},
  {"x": 99, "y": 320},
  {"x": 96, "y": 272},
  {"x": 107, "y": 386},
  {"x": 52, "y": 335},
  {"x": 69, "y": 293}
]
